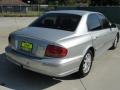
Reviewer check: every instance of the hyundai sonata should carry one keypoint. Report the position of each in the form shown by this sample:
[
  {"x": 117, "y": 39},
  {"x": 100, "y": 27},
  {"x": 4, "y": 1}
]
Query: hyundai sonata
[{"x": 62, "y": 42}]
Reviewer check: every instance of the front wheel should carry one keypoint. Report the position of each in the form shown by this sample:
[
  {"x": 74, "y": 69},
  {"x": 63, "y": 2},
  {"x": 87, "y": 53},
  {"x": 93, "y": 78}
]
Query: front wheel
[
  {"x": 114, "y": 46},
  {"x": 86, "y": 64}
]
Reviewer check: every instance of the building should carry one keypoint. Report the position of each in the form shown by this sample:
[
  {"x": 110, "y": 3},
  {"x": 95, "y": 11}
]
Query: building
[
  {"x": 11, "y": 2},
  {"x": 12, "y": 6}
]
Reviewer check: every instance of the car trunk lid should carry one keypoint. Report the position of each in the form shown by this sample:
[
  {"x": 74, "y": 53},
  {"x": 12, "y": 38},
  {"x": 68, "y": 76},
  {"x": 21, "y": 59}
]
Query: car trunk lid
[
  {"x": 38, "y": 39},
  {"x": 53, "y": 35}
]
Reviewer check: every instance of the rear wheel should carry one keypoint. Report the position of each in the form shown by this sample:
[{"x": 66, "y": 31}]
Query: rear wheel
[{"x": 86, "y": 64}]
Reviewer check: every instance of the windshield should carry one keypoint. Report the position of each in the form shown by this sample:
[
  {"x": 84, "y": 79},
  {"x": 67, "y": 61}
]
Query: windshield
[{"x": 67, "y": 22}]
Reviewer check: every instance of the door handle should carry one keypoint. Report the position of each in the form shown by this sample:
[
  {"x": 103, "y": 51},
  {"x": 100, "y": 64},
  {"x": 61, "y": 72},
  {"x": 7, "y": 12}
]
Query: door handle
[{"x": 95, "y": 37}]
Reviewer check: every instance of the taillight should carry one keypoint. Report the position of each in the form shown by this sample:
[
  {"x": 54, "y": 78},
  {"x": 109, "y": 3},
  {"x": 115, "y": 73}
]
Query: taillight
[{"x": 55, "y": 51}]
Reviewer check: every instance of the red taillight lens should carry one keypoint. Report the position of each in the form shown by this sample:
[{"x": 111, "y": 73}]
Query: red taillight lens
[{"x": 55, "y": 51}]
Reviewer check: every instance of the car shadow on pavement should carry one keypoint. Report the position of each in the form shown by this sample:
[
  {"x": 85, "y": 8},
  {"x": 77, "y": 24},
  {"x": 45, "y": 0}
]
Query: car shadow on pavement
[
  {"x": 11, "y": 76},
  {"x": 73, "y": 76},
  {"x": 14, "y": 77}
]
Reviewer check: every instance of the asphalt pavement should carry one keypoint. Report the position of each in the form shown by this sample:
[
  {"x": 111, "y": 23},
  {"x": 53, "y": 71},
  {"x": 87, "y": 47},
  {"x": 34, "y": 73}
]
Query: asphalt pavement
[{"x": 105, "y": 73}]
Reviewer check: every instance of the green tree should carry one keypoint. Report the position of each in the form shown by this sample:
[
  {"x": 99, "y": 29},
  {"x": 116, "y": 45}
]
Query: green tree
[
  {"x": 105, "y": 2},
  {"x": 40, "y": 1},
  {"x": 62, "y": 2},
  {"x": 70, "y": 2}
]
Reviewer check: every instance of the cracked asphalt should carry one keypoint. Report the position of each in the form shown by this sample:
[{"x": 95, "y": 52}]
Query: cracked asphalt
[{"x": 105, "y": 73}]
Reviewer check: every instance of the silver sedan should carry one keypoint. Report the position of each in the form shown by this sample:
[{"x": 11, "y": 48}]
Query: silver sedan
[{"x": 62, "y": 42}]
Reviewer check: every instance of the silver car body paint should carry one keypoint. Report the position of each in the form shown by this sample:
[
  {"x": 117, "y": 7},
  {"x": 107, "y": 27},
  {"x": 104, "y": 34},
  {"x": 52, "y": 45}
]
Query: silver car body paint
[{"x": 77, "y": 43}]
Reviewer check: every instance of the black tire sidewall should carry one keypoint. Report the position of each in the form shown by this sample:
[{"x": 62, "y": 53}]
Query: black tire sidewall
[
  {"x": 81, "y": 72},
  {"x": 115, "y": 46}
]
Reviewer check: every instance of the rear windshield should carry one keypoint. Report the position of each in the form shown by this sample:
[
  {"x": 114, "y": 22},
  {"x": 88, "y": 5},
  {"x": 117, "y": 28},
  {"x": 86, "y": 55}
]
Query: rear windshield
[{"x": 67, "y": 22}]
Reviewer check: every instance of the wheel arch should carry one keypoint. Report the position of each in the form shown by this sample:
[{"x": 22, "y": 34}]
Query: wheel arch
[{"x": 92, "y": 50}]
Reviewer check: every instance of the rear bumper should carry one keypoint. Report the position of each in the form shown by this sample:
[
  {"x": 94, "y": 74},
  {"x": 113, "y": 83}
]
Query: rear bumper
[{"x": 52, "y": 67}]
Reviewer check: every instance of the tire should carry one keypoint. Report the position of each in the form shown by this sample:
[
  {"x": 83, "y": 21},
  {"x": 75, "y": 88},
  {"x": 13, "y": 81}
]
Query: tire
[
  {"x": 114, "y": 46},
  {"x": 86, "y": 64}
]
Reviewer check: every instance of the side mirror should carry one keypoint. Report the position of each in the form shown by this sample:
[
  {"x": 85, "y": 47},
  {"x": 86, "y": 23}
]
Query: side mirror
[{"x": 113, "y": 25}]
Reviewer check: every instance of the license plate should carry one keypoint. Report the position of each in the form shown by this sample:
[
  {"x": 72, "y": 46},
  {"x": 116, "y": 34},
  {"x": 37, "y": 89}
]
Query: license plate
[{"x": 26, "y": 46}]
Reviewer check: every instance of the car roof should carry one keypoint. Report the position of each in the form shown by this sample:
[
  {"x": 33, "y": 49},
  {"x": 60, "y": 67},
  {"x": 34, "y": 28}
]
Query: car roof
[{"x": 76, "y": 12}]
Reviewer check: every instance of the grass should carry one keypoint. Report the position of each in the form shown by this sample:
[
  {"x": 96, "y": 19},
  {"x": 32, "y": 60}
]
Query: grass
[{"x": 17, "y": 14}]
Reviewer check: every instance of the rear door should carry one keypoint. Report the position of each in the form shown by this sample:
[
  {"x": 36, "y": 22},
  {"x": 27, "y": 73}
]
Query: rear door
[{"x": 98, "y": 34}]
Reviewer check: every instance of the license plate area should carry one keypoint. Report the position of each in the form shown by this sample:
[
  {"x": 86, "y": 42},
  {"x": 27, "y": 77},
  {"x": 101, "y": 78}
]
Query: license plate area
[{"x": 26, "y": 46}]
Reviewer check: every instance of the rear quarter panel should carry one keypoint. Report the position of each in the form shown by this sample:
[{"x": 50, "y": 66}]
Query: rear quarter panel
[{"x": 77, "y": 46}]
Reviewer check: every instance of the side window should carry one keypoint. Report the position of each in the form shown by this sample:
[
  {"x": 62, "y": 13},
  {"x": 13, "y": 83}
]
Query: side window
[
  {"x": 93, "y": 23},
  {"x": 104, "y": 21}
]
